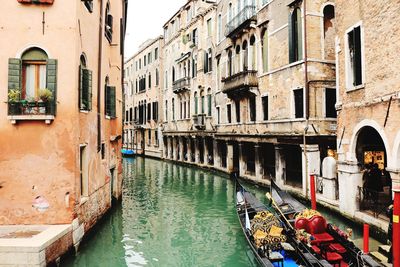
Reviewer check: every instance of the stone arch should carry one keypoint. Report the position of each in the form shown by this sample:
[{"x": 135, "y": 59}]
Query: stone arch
[
  {"x": 356, "y": 133},
  {"x": 32, "y": 46}
]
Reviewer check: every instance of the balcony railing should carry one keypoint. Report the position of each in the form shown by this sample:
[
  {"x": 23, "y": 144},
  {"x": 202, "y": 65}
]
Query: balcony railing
[
  {"x": 241, "y": 81},
  {"x": 31, "y": 108},
  {"x": 181, "y": 85},
  {"x": 245, "y": 15},
  {"x": 199, "y": 121}
]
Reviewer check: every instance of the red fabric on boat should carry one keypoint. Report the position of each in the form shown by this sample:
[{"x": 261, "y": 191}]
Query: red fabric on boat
[
  {"x": 301, "y": 223},
  {"x": 333, "y": 257},
  {"x": 337, "y": 248},
  {"x": 317, "y": 225}
]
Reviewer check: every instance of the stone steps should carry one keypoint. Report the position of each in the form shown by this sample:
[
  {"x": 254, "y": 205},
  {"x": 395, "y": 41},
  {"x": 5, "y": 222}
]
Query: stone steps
[{"x": 382, "y": 255}]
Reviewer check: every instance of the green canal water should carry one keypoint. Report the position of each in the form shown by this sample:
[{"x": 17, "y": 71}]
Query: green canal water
[{"x": 171, "y": 215}]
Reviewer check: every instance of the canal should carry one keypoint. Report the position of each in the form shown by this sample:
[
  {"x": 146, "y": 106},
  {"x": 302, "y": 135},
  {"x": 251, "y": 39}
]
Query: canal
[{"x": 171, "y": 215}]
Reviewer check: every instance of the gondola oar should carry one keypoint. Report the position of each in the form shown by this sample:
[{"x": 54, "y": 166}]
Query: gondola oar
[{"x": 272, "y": 201}]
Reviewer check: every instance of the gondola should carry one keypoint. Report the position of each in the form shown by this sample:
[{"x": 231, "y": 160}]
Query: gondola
[
  {"x": 127, "y": 152},
  {"x": 325, "y": 239},
  {"x": 272, "y": 242}
]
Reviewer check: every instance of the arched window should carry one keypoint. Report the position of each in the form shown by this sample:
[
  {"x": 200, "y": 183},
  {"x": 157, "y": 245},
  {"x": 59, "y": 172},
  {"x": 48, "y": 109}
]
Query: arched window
[
  {"x": 173, "y": 74},
  {"x": 252, "y": 52},
  {"x": 237, "y": 60},
  {"x": 34, "y": 75},
  {"x": 230, "y": 64},
  {"x": 264, "y": 47},
  {"x": 85, "y": 85},
  {"x": 109, "y": 24},
  {"x": 203, "y": 111},
  {"x": 209, "y": 59},
  {"x": 149, "y": 80},
  {"x": 230, "y": 14},
  {"x": 295, "y": 36},
  {"x": 329, "y": 32},
  {"x": 245, "y": 56}
]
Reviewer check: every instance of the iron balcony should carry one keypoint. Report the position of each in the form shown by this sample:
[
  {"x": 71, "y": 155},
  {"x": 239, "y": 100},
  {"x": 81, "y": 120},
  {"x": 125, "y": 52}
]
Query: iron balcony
[
  {"x": 240, "y": 21},
  {"x": 181, "y": 85},
  {"x": 240, "y": 82}
]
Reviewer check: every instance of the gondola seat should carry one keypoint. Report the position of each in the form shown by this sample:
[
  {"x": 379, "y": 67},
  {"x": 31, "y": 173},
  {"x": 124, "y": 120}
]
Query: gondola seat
[
  {"x": 337, "y": 248},
  {"x": 333, "y": 257},
  {"x": 317, "y": 227}
]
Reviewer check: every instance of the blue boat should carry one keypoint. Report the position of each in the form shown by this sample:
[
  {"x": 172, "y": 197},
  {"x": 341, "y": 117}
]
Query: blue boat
[{"x": 128, "y": 152}]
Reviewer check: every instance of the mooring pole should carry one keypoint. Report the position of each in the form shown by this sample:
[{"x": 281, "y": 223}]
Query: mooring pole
[
  {"x": 396, "y": 229},
  {"x": 366, "y": 238},
  {"x": 312, "y": 192}
]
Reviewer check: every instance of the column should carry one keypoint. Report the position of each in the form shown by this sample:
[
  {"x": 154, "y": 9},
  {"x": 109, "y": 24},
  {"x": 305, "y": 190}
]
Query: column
[
  {"x": 258, "y": 161},
  {"x": 311, "y": 164},
  {"x": 229, "y": 157},
  {"x": 280, "y": 166},
  {"x": 350, "y": 177},
  {"x": 242, "y": 160},
  {"x": 204, "y": 143},
  {"x": 189, "y": 149},
  {"x": 173, "y": 148},
  {"x": 181, "y": 140},
  {"x": 196, "y": 151},
  {"x": 217, "y": 162}
]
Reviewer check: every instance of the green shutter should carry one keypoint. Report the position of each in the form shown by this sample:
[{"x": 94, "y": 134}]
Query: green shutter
[
  {"x": 51, "y": 80},
  {"x": 111, "y": 101},
  {"x": 291, "y": 46},
  {"x": 299, "y": 31},
  {"x": 80, "y": 101},
  {"x": 14, "y": 73},
  {"x": 86, "y": 91}
]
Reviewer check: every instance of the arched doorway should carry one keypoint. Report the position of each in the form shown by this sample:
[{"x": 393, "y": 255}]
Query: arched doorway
[{"x": 375, "y": 194}]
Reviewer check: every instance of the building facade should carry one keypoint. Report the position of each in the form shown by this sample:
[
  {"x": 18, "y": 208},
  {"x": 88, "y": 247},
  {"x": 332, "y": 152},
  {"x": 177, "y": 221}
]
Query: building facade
[
  {"x": 143, "y": 96},
  {"x": 59, "y": 125},
  {"x": 368, "y": 131}
]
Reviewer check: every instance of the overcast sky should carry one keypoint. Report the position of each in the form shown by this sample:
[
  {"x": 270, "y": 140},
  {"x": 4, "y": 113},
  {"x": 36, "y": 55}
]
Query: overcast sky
[{"x": 145, "y": 21}]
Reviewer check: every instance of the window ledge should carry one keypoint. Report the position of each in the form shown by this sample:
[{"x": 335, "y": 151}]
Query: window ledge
[
  {"x": 355, "y": 88},
  {"x": 84, "y": 111},
  {"x": 47, "y": 118}
]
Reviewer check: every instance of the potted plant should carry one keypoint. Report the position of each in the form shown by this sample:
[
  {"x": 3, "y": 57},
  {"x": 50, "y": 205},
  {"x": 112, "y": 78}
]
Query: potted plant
[
  {"x": 14, "y": 96},
  {"x": 46, "y": 96}
]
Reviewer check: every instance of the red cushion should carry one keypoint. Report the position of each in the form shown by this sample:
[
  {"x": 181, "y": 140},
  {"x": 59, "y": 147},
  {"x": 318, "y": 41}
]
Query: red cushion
[
  {"x": 333, "y": 256},
  {"x": 317, "y": 224},
  {"x": 301, "y": 223},
  {"x": 322, "y": 238},
  {"x": 337, "y": 248},
  {"x": 316, "y": 249}
]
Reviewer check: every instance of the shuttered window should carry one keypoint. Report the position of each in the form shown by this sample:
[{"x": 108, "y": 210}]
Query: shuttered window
[
  {"x": 85, "y": 89},
  {"x": 110, "y": 102},
  {"x": 295, "y": 36}
]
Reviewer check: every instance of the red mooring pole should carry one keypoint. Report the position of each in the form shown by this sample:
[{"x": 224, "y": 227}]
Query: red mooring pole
[
  {"x": 396, "y": 229},
  {"x": 366, "y": 238},
  {"x": 312, "y": 192}
]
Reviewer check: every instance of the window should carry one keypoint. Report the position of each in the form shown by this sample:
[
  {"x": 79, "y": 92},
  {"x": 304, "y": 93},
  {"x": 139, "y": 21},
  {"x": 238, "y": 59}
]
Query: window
[
  {"x": 329, "y": 32},
  {"x": 229, "y": 113},
  {"x": 88, "y": 5},
  {"x": 230, "y": 12},
  {"x": 156, "y": 53},
  {"x": 209, "y": 101},
  {"x": 194, "y": 66},
  {"x": 83, "y": 169},
  {"x": 149, "y": 137},
  {"x": 157, "y": 77},
  {"x": 264, "y": 100},
  {"x": 85, "y": 86},
  {"x": 208, "y": 61},
  {"x": 330, "y": 101},
  {"x": 31, "y": 78},
  {"x": 203, "y": 110},
  {"x": 298, "y": 103},
  {"x": 237, "y": 106},
  {"x": 209, "y": 28},
  {"x": 264, "y": 49},
  {"x": 196, "y": 103},
  {"x": 110, "y": 101},
  {"x": 173, "y": 109},
  {"x": 140, "y": 64},
  {"x": 149, "y": 58},
  {"x": 103, "y": 151},
  {"x": 354, "y": 58},
  {"x": 194, "y": 37},
  {"x": 108, "y": 31},
  {"x": 166, "y": 110},
  {"x": 155, "y": 111},
  {"x": 149, "y": 81},
  {"x": 252, "y": 107},
  {"x": 144, "y": 61},
  {"x": 295, "y": 36},
  {"x": 230, "y": 63},
  {"x": 219, "y": 27},
  {"x": 166, "y": 79},
  {"x": 218, "y": 115},
  {"x": 148, "y": 111}
]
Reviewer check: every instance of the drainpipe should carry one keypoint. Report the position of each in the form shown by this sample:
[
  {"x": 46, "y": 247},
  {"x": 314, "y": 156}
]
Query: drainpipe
[
  {"x": 99, "y": 77},
  {"x": 306, "y": 93}
]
